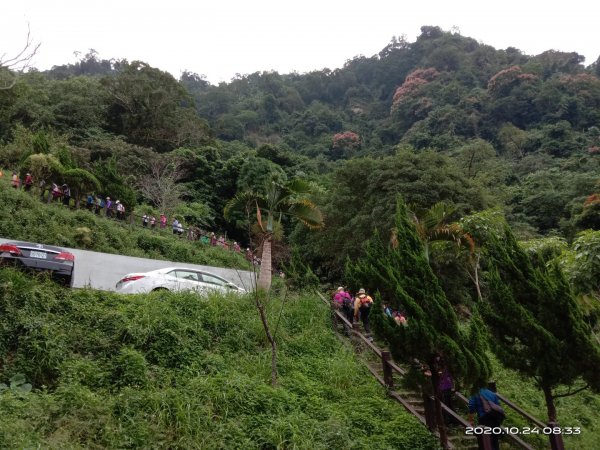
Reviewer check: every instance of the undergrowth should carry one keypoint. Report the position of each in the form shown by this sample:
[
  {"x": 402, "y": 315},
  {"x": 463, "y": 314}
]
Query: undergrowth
[{"x": 174, "y": 371}]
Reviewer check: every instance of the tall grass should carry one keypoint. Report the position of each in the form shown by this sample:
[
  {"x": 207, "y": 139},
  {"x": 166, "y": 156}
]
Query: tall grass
[
  {"x": 24, "y": 217},
  {"x": 175, "y": 371}
]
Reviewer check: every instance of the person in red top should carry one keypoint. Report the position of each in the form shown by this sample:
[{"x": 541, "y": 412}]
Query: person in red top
[
  {"x": 362, "y": 307},
  {"x": 28, "y": 182}
]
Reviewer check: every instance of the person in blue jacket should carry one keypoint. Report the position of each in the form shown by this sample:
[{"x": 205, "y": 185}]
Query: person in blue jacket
[{"x": 486, "y": 418}]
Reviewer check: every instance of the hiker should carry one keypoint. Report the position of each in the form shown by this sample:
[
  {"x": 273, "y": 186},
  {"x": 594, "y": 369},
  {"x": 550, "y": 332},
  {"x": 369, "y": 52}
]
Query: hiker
[
  {"x": 446, "y": 388},
  {"x": 42, "y": 187},
  {"x": 28, "y": 182},
  {"x": 120, "y": 210},
  {"x": 55, "y": 193},
  {"x": 15, "y": 180},
  {"x": 177, "y": 227},
  {"x": 145, "y": 220},
  {"x": 344, "y": 300},
  {"x": 163, "y": 221},
  {"x": 221, "y": 241},
  {"x": 213, "y": 239},
  {"x": 108, "y": 204},
  {"x": 399, "y": 318},
  {"x": 66, "y": 194},
  {"x": 236, "y": 247},
  {"x": 362, "y": 306},
  {"x": 99, "y": 204},
  {"x": 89, "y": 203},
  {"x": 489, "y": 412}
]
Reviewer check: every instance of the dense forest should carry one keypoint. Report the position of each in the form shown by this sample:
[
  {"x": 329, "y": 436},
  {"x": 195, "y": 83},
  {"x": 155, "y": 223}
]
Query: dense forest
[{"x": 444, "y": 118}]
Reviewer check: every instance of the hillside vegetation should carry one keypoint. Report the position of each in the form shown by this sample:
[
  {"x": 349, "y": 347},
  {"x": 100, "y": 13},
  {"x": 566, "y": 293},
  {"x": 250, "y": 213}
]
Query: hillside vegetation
[
  {"x": 173, "y": 371},
  {"x": 24, "y": 217}
]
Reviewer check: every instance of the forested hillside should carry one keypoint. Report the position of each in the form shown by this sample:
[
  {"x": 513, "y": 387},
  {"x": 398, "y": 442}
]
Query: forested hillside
[
  {"x": 444, "y": 118},
  {"x": 458, "y": 183}
]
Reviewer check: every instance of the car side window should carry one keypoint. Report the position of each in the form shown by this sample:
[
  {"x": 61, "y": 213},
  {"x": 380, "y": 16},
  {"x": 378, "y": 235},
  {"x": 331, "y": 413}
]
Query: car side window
[
  {"x": 213, "y": 280},
  {"x": 185, "y": 275}
]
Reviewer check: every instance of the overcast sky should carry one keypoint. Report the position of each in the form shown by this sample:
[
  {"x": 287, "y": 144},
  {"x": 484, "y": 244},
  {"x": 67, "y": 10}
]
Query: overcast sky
[{"x": 222, "y": 38}]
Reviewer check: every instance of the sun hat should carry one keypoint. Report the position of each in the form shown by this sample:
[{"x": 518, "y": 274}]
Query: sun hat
[
  {"x": 340, "y": 289},
  {"x": 361, "y": 291}
]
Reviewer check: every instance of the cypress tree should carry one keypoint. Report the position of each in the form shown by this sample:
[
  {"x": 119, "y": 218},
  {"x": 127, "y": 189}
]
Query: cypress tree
[
  {"x": 536, "y": 324},
  {"x": 398, "y": 272}
]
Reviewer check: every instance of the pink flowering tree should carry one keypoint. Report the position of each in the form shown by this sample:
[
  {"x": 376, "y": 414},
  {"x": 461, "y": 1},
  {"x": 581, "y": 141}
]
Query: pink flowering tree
[
  {"x": 502, "y": 82},
  {"x": 413, "y": 85},
  {"x": 344, "y": 144}
]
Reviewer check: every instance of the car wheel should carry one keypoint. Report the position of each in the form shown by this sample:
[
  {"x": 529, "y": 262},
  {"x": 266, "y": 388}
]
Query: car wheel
[{"x": 160, "y": 289}]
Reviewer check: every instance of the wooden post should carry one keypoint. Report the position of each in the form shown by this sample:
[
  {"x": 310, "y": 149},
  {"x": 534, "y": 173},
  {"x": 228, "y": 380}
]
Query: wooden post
[
  {"x": 388, "y": 375},
  {"x": 556, "y": 440}
]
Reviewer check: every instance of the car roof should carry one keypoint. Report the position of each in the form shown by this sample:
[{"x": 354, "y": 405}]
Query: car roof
[
  {"x": 34, "y": 245},
  {"x": 191, "y": 269}
]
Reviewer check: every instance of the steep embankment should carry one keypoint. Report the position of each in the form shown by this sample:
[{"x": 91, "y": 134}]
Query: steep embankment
[
  {"x": 172, "y": 371},
  {"x": 24, "y": 216}
]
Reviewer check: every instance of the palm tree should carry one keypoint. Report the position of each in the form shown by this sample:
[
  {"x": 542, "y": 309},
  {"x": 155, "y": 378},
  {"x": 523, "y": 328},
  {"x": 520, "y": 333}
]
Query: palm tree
[
  {"x": 432, "y": 225},
  {"x": 277, "y": 200}
]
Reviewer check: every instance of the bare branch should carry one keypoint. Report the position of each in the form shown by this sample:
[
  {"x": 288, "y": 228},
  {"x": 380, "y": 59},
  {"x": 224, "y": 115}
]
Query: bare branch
[
  {"x": 11, "y": 67},
  {"x": 160, "y": 185},
  {"x": 569, "y": 392}
]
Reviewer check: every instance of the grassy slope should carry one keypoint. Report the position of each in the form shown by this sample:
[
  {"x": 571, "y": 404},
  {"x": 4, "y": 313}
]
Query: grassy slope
[
  {"x": 171, "y": 371},
  {"x": 23, "y": 216}
]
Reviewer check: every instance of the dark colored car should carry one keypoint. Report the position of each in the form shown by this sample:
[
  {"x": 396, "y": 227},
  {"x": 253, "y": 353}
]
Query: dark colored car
[{"x": 39, "y": 257}]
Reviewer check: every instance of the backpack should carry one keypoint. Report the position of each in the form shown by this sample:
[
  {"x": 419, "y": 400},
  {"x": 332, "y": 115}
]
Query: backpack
[
  {"x": 365, "y": 301},
  {"x": 347, "y": 302},
  {"x": 492, "y": 409}
]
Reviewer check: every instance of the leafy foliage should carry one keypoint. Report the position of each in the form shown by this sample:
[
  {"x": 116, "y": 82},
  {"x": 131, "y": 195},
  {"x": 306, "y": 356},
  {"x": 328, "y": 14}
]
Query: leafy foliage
[{"x": 537, "y": 326}]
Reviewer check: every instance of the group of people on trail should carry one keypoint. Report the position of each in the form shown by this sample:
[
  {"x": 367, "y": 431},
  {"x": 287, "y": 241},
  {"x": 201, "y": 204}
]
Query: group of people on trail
[
  {"x": 359, "y": 307},
  {"x": 354, "y": 308},
  {"x": 15, "y": 181},
  {"x": 110, "y": 208},
  {"x": 484, "y": 402}
]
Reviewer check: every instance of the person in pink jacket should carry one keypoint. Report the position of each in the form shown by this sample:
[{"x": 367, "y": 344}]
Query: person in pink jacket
[{"x": 343, "y": 300}]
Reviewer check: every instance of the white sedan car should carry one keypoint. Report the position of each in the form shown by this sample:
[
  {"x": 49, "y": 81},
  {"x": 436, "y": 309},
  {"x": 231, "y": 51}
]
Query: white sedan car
[{"x": 175, "y": 279}]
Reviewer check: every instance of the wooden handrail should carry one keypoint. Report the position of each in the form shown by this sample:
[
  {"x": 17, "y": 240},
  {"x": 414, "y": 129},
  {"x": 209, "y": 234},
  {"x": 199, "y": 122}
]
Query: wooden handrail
[{"x": 522, "y": 412}]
